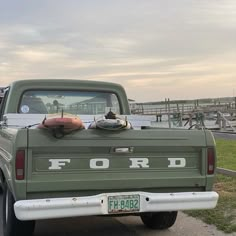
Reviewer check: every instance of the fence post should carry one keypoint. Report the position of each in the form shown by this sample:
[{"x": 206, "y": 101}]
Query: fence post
[{"x": 169, "y": 113}]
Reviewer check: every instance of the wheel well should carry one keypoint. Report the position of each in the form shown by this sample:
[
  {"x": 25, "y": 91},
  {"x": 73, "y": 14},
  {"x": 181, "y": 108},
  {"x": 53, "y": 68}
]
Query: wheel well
[{"x": 2, "y": 177}]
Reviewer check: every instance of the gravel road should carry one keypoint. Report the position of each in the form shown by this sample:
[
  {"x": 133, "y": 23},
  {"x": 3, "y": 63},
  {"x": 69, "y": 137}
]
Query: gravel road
[{"x": 222, "y": 135}]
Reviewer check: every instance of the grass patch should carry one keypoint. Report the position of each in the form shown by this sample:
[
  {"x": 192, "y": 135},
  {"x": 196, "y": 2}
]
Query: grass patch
[
  {"x": 226, "y": 153},
  {"x": 224, "y": 215}
]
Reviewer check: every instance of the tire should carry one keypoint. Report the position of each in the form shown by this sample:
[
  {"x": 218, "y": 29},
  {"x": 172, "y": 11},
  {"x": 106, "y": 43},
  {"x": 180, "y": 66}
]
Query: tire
[
  {"x": 10, "y": 224},
  {"x": 159, "y": 220},
  {"x": 1, "y": 180}
]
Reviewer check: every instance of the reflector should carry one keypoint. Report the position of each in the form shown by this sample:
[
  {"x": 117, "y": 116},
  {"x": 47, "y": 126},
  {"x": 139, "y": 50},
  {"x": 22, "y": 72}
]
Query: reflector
[
  {"x": 211, "y": 161},
  {"x": 20, "y": 164}
]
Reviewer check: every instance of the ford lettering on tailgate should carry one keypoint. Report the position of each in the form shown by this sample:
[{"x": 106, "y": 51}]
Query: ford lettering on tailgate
[{"x": 104, "y": 163}]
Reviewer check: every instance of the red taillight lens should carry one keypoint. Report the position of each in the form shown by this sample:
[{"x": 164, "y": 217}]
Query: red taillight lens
[
  {"x": 211, "y": 161},
  {"x": 20, "y": 165}
]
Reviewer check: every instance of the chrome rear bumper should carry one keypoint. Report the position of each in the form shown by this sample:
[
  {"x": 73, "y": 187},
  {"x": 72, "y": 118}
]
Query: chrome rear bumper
[{"x": 98, "y": 204}]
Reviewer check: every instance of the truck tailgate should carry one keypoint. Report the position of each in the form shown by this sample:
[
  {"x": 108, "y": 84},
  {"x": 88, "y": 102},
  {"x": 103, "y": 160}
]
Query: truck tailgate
[{"x": 95, "y": 161}]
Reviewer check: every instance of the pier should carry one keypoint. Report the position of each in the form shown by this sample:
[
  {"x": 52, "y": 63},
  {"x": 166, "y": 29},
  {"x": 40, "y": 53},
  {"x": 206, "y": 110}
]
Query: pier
[{"x": 220, "y": 112}]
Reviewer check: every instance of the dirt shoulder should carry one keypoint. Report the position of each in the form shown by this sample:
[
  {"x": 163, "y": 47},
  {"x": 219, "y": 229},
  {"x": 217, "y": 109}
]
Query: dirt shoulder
[{"x": 184, "y": 226}]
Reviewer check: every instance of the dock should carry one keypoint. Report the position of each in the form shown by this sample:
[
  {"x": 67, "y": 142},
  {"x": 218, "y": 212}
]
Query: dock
[{"x": 220, "y": 112}]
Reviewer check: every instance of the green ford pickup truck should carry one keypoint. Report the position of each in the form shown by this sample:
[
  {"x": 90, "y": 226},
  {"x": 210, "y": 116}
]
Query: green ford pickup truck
[{"x": 92, "y": 170}]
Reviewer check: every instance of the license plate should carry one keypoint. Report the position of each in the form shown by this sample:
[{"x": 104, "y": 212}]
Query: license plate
[{"x": 123, "y": 203}]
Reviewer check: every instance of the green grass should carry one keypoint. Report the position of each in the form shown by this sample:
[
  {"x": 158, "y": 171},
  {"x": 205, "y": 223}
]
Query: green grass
[
  {"x": 226, "y": 153},
  {"x": 224, "y": 215}
]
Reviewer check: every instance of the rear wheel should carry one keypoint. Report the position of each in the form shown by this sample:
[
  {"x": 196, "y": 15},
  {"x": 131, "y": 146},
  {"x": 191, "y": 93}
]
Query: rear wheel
[
  {"x": 159, "y": 220},
  {"x": 10, "y": 224}
]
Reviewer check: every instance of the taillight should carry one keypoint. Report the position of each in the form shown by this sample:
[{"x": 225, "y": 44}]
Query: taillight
[
  {"x": 20, "y": 164},
  {"x": 210, "y": 161}
]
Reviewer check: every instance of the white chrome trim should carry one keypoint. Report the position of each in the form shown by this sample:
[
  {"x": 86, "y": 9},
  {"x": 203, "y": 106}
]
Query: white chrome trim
[
  {"x": 97, "y": 205},
  {"x": 19, "y": 120},
  {"x": 6, "y": 207}
]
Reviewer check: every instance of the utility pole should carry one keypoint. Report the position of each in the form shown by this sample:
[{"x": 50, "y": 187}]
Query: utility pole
[{"x": 235, "y": 102}]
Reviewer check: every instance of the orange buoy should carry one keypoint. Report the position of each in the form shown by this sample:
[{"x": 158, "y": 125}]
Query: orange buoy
[{"x": 68, "y": 124}]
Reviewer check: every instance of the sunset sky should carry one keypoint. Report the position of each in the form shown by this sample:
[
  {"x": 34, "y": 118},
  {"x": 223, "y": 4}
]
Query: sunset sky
[{"x": 157, "y": 49}]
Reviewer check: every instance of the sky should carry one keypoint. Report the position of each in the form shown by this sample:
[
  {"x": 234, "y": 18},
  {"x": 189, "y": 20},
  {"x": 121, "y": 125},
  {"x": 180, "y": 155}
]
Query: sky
[{"x": 156, "y": 49}]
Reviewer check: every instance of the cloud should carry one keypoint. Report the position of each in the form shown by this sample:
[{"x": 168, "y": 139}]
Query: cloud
[
  {"x": 36, "y": 55},
  {"x": 154, "y": 48}
]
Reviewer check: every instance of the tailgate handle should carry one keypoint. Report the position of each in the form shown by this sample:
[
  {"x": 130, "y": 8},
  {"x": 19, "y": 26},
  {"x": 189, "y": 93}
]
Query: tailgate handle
[{"x": 123, "y": 150}]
